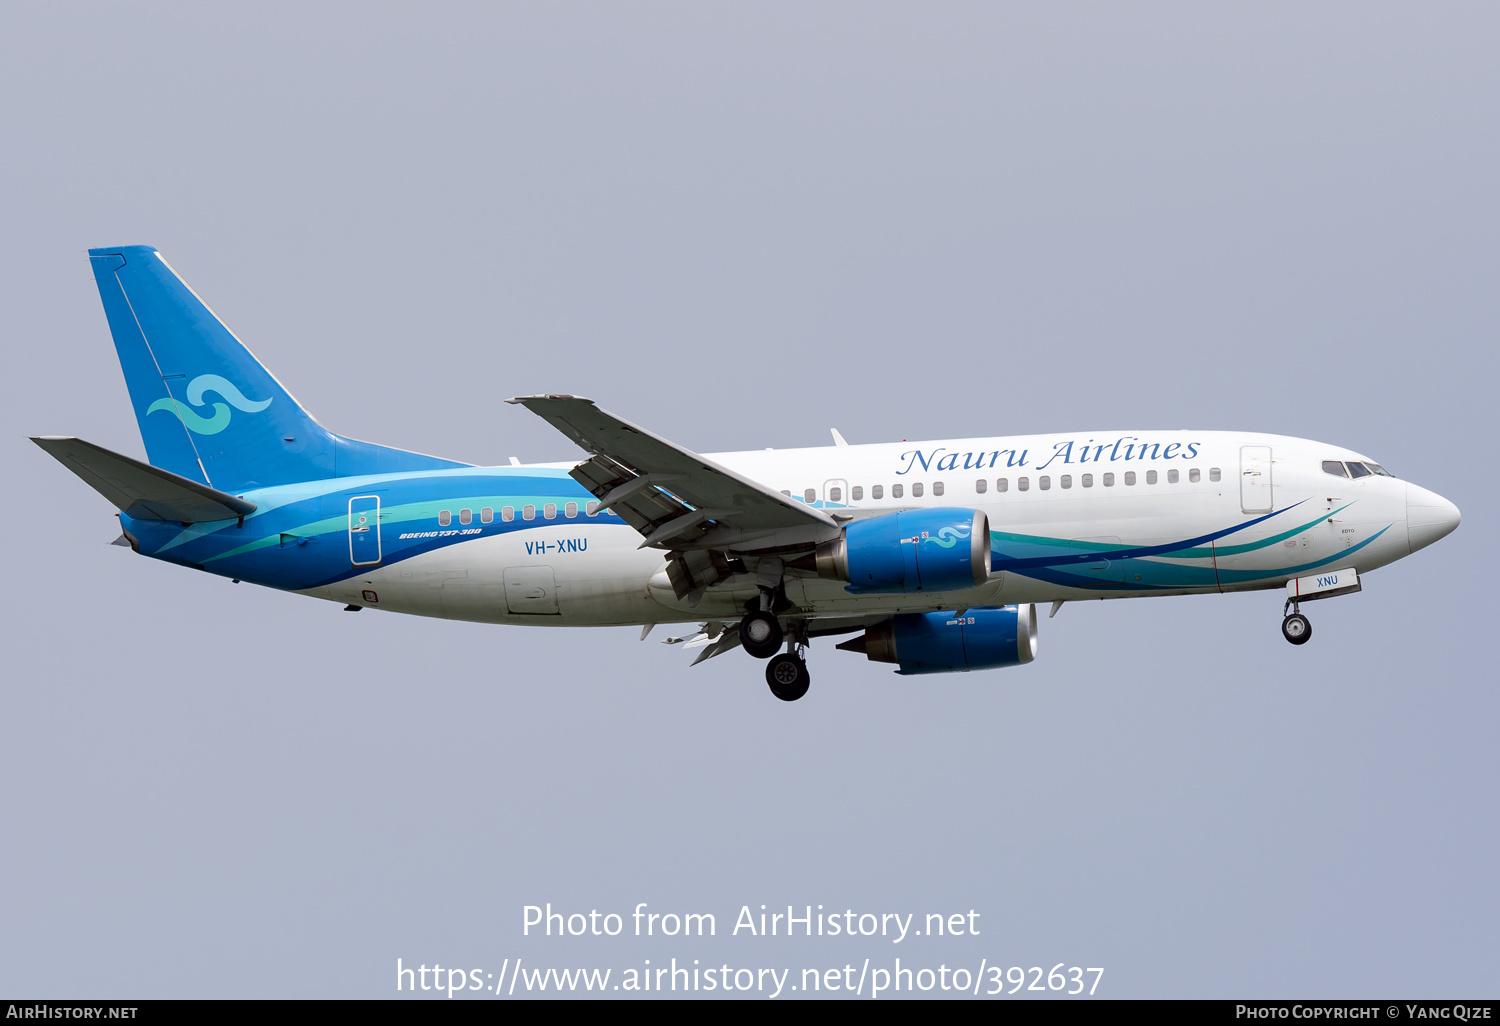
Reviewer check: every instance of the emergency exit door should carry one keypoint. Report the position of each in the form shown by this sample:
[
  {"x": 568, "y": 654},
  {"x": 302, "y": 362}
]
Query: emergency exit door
[{"x": 1255, "y": 479}]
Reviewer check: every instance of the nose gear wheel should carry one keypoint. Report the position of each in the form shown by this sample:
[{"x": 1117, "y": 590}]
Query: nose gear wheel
[{"x": 1296, "y": 629}]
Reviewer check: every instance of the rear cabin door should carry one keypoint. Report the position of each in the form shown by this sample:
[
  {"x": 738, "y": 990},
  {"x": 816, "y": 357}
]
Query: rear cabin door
[
  {"x": 364, "y": 530},
  {"x": 1255, "y": 479}
]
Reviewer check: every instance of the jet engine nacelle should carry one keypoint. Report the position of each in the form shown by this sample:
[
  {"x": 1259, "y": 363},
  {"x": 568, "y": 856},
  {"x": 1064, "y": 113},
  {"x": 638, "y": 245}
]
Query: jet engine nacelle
[
  {"x": 915, "y": 550},
  {"x": 980, "y": 639}
]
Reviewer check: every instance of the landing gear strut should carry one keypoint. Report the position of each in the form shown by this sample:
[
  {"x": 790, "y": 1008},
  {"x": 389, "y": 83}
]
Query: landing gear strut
[
  {"x": 787, "y": 674},
  {"x": 1294, "y": 626}
]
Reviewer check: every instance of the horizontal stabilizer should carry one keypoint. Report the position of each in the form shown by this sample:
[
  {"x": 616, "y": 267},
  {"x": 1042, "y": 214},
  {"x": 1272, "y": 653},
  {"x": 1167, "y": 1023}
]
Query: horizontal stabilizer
[{"x": 141, "y": 490}]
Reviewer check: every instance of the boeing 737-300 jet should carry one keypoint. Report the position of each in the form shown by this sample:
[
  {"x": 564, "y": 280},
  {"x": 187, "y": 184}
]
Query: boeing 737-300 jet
[{"x": 930, "y": 555}]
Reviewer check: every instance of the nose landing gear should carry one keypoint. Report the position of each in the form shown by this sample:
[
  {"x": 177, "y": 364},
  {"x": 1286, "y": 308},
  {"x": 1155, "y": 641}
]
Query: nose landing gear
[{"x": 1295, "y": 627}]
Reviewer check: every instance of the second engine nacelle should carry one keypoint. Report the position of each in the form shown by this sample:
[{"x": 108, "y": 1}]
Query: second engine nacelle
[
  {"x": 980, "y": 639},
  {"x": 915, "y": 550}
]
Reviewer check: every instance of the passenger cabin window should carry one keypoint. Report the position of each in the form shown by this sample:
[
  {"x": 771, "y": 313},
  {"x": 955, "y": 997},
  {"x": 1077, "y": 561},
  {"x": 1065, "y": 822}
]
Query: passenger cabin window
[
  {"x": 896, "y": 491},
  {"x": 549, "y": 511},
  {"x": 591, "y": 509},
  {"x": 487, "y": 515},
  {"x": 937, "y": 488},
  {"x": 507, "y": 513},
  {"x": 810, "y": 495},
  {"x": 1088, "y": 480},
  {"x": 1151, "y": 477},
  {"x": 1195, "y": 475},
  {"x": 1109, "y": 480},
  {"x": 1044, "y": 482},
  {"x": 1358, "y": 470},
  {"x": 1213, "y": 473},
  {"x": 1002, "y": 484},
  {"x": 857, "y": 492},
  {"x": 835, "y": 495},
  {"x": 570, "y": 510},
  {"x": 786, "y": 491},
  {"x": 1335, "y": 468},
  {"x": 1066, "y": 481},
  {"x": 981, "y": 486},
  {"x": 445, "y": 517},
  {"x": 466, "y": 516},
  {"x": 1130, "y": 477},
  {"x": 877, "y": 491},
  {"x": 528, "y": 512},
  {"x": 1171, "y": 477},
  {"x": 1023, "y": 483},
  {"x": 916, "y": 490}
]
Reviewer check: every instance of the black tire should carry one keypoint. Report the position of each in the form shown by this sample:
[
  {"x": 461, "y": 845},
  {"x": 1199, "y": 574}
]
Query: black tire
[
  {"x": 760, "y": 634},
  {"x": 1296, "y": 629},
  {"x": 788, "y": 677}
]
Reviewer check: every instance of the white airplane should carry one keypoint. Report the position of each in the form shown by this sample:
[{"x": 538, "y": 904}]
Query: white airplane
[{"x": 931, "y": 555}]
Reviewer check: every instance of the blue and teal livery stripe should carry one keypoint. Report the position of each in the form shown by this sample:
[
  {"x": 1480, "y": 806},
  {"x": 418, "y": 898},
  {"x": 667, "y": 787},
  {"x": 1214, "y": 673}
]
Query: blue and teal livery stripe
[
  {"x": 1141, "y": 568},
  {"x": 298, "y": 537},
  {"x": 1154, "y": 576},
  {"x": 1003, "y": 561}
]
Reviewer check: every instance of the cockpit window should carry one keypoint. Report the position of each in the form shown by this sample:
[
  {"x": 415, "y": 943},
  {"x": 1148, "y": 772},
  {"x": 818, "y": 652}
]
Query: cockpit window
[
  {"x": 1335, "y": 468},
  {"x": 1378, "y": 469},
  {"x": 1358, "y": 469}
]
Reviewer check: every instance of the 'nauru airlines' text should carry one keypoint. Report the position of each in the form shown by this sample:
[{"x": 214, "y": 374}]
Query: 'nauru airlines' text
[{"x": 1070, "y": 452}]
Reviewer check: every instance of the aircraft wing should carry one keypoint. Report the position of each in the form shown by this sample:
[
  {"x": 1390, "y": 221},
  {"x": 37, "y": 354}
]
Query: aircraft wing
[{"x": 675, "y": 498}]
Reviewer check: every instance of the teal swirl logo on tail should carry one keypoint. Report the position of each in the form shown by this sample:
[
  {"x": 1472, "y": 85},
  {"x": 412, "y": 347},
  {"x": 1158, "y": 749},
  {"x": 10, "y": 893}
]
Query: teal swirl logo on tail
[{"x": 196, "y": 422}]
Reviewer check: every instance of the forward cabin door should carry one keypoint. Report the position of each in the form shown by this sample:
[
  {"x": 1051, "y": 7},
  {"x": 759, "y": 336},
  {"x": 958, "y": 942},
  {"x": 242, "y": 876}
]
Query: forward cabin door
[
  {"x": 364, "y": 530},
  {"x": 1255, "y": 479}
]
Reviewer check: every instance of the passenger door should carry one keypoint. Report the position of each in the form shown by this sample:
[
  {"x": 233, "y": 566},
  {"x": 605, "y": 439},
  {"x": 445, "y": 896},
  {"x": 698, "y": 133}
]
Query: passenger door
[
  {"x": 364, "y": 530},
  {"x": 1255, "y": 479}
]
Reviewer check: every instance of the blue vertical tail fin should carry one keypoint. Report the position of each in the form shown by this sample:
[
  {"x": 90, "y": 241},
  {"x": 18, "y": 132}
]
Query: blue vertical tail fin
[{"x": 207, "y": 408}]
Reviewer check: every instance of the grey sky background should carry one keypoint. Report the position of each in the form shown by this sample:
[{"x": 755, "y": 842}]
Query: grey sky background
[{"x": 741, "y": 225}]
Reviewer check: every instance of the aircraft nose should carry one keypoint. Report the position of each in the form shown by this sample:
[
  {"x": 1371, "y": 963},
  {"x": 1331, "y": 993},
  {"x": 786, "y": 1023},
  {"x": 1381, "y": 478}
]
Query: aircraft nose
[{"x": 1429, "y": 517}]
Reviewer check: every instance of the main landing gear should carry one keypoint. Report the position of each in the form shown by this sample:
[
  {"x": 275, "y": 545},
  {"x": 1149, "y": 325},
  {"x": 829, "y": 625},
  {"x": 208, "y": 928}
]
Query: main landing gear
[
  {"x": 787, "y": 674},
  {"x": 1294, "y": 626},
  {"x": 760, "y": 634}
]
